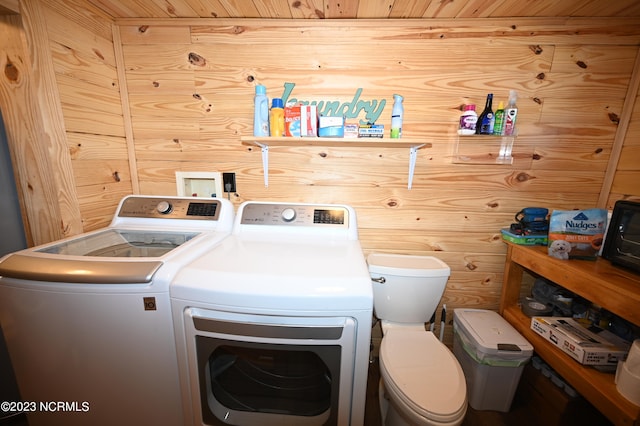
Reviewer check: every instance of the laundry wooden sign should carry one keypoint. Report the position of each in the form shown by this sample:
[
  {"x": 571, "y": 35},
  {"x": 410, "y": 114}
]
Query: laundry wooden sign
[{"x": 352, "y": 109}]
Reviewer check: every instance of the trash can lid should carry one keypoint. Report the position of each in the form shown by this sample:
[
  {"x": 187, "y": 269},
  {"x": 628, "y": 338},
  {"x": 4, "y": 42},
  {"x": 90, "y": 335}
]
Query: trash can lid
[{"x": 491, "y": 334}]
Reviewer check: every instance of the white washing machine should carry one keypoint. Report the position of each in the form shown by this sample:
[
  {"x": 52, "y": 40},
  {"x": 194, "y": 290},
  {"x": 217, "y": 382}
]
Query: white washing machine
[
  {"x": 273, "y": 326},
  {"x": 87, "y": 319}
]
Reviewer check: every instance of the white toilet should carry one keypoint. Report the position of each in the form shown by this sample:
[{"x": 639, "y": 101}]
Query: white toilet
[{"x": 422, "y": 382}]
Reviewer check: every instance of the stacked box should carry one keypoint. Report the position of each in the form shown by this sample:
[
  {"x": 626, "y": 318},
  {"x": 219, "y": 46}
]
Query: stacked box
[
  {"x": 525, "y": 240},
  {"x": 331, "y": 127},
  {"x": 588, "y": 346},
  {"x": 292, "y": 117},
  {"x": 308, "y": 120},
  {"x": 371, "y": 131}
]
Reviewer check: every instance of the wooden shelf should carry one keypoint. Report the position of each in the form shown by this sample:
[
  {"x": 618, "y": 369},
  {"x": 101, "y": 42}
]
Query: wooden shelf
[
  {"x": 335, "y": 142},
  {"x": 613, "y": 288},
  {"x": 265, "y": 142}
]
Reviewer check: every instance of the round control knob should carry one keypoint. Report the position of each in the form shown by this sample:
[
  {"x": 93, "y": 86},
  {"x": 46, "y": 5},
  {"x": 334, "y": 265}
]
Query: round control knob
[
  {"x": 288, "y": 214},
  {"x": 164, "y": 207}
]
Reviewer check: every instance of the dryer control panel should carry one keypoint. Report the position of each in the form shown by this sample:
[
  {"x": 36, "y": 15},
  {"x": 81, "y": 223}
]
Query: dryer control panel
[{"x": 295, "y": 215}]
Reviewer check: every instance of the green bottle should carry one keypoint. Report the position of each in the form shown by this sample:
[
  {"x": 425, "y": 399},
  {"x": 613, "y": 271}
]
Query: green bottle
[{"x": 498, "y": 127}]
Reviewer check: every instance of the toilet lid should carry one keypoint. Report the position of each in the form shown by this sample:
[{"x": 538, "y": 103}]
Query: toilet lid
[{"x": 424, "y": 374}]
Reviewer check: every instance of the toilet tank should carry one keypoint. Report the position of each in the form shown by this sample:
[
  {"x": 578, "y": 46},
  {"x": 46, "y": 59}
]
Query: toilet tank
[{"x": 412, "y": 287}]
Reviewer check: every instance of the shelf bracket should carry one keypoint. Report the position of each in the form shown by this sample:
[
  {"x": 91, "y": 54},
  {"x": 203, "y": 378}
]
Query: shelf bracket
[
  {"x": 413, "y": 154},
  {"x": 265, "y": 162}
]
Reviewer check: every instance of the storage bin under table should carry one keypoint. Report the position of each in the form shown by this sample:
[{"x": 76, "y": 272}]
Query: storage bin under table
[{"x": 492, "y": 355}]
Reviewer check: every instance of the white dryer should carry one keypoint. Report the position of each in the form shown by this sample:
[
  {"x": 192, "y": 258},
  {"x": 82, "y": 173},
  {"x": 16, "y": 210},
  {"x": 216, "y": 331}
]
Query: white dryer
[
  {"x": 87, "y": 319},
  {"x": 273, "y": 326}
]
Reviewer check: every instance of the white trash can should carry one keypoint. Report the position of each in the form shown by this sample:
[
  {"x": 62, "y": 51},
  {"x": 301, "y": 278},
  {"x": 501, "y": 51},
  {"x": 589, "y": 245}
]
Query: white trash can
[{"x": 492, "y": 355}]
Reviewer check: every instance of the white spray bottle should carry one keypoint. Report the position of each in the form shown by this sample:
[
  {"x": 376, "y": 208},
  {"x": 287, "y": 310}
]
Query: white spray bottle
[
  {"x": 397, "y": 114},
  {"x": 510, "y": 114}
]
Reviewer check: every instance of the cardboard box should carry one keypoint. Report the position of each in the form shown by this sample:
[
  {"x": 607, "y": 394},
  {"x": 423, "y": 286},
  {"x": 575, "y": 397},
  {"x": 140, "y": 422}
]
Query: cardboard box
[
  {"x": 350, "y": 130},
  {"x": 308, "y": 120},
  {"x": 331, "y": 127},
  {"x": 292, "y": 117},
  {"x": 588, "y": 346},
  {"x": 371, "y": 131},
  {"x": 525, "y": 240}
]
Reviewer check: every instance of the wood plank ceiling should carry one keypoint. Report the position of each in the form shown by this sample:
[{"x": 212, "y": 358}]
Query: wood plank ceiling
[{"x": 365, "y": 9}]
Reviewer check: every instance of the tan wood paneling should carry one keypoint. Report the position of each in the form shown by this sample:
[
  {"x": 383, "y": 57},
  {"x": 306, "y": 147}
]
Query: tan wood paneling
[
  {"x": 47, "y": 179},
  {"x": 85, "y": 66},
  {"x": 189, "y": 115},
  {"x": 317, "y": 9},
  {"x": 177, "y": 95}
]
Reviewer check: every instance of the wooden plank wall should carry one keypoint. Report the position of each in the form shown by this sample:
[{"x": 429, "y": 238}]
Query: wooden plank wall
[
  {"x": 189, "y": 115},
  {"x": 572, "y": 77}
]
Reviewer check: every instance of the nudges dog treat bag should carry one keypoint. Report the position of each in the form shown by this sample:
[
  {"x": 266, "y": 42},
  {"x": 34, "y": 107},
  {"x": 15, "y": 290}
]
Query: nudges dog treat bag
[{"x": 576, "y": 234}]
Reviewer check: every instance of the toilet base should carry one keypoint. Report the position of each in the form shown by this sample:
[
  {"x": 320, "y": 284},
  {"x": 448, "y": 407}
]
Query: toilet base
[{"x": 392, "y": 417}]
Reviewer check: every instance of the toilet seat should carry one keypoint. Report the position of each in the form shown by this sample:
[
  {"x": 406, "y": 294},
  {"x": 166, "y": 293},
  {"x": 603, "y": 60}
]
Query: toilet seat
[{"x": 423, "y": 375}]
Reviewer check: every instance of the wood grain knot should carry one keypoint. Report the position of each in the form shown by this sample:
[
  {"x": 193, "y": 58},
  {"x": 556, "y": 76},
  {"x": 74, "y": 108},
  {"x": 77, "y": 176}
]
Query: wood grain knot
[
  {"x": 197, "y": 60},
  {"x": 523, "y": 177},
  {"x": 156, "y": 84},
  {"x": 323, "y": 154},
  {"x": 392, "y": 203},
  {"x": 538, "y": 101},
  {"x": 615, "y": 119},
  {"x": 116, "y": 176},
  {"x": 319, "y": 14},
  {"x": 541, "y": 76},
  {"x": 470, "y": 266},
  {"x": 98, "y": 54},
  {"x": 197, "y": 96},
  {"x": 10, "y": 71},
  {"x": 143, "y": 28},
  {"x": 537, "y": 49},
  {"x": 581, "y": 64},
  {"x": 238, "y": 29},
  {"x": 493, "y": 205},
  {"x": 250, "y": 78},
  {"x": 536, "y": 157},
  {"x": 599, "y": 150}
]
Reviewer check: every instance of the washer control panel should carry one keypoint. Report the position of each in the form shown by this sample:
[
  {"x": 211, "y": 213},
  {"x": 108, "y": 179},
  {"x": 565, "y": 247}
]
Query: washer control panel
[
  {"x": 294, "y": 215},
  {"x": 170, "y": 208}
]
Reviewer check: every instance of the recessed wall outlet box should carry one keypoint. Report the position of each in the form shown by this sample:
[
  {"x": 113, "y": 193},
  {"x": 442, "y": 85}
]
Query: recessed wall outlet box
[
  {"x": 229, "y": 180},
  {"x": 199, "y": 184}
]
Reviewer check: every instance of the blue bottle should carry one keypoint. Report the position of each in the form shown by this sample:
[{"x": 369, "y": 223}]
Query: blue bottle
[
  {"x": 484, "y": 126},
  {"x": 261, "y": 112}
]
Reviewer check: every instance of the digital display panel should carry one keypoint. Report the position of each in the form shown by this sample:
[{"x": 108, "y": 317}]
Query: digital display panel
[
  {"x": 333, "y": 217},
  {"x": 202, "y": 209}
]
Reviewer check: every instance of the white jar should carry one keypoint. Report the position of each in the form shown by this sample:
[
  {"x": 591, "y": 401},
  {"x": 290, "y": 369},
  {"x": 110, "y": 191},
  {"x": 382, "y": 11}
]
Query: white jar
[{"x": 468, "y": 121}]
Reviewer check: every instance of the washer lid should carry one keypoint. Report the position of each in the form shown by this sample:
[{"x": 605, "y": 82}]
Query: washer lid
[{"x": 423, "y": 373}]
